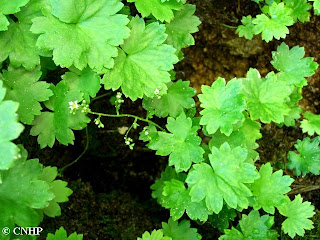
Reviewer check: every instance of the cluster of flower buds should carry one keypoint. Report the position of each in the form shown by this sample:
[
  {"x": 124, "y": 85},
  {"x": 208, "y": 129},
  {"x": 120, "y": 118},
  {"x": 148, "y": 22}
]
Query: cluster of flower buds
[
  {"x": 74, "y": 106},
  {"x": 98, "y": 122},
  {"x": 118, "y": 100},
  {"x": 129, "y": 142}
]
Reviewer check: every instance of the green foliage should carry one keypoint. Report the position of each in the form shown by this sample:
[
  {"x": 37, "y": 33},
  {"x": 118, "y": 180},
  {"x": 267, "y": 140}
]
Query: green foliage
[
  {"x": 180, "y": 231},
  {"x": 23, "y": 193},
  {"x": 226, "y": 177},
  {"x": 10, "y": 130},
  {"x": 221, "y": 220},
  {"x": 59, "y": 188},
  {"x": 266, "y": 97},
  {"x": 180, "y": 28},
  {"x": 244, "y": 136},
  {"x": 61, "y": 234},
  {"x": 161, "y": 10},
  {"x": 298, "y": 214},
  {"x": 311, "y": 123},
  {"x": 247, "y": 28},
  {"x": 253, "y": 226},
  {"x": 7, "y": 8},
  {"x": 178, "y": 97},
  {"x": 182, "y": 143},
  {"x": 155, "y": 235},
  {"x": 308, "y": 158},
  {"x": 293, "y": 67},
  {"x": 269, "y": 190},
  {"x": 143, "y": 63},
  {"x": 316, "y": 6},
  {"x": 177, "y": 198},
  {"x": 25, "y": 88},
  {"x": 300, "y": 9},
  {"x": 59, "y": 122},
  {"x": 223, "y": 102},
  {"x": 87, "y": 35}
]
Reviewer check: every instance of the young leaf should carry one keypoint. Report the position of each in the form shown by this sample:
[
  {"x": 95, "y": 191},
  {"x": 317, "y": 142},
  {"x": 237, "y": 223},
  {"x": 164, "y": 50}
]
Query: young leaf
[
  {"x": 59, "y": 123},
  {"x": 7, "y": 8},
  {"x": 266, "y": 98},
  {"x": 252, "y": 227},
  {"x": 292, "y": 65},
  {"x": 144, "y": 62},
  {"x": 297, "y": 213},
  {"x": 308, "y": 159},
  {"x": 245, "y": 137},
  {"x": 25, "y": 88},
  {"x": 300, "y": 9},
  {"x": 86, "y": 35},
  {"x": 311, "y": 123},
  {"x": 162, "y": 11},
  {"x": 246, "y": 29},
  {"x": 176, "y": 197},
  {"x": 59, "y": 188},
  {"x": 23, "y": 193},
  {"x": 223, "y": 106},
  {"x": 224, "y": 179},
  {"x": 178, "y": 97},
  {"x": 86, "y": 81},
  {"x": 180, "y": 231},
  {"x": 61, "y": 234},
  {"x": 184, "y": 23},
  {"x": 269, "y": 190},
  {"x": 273, "y": 22},
  {"x": 182, "y": 144},
  {"x": 10, "y": 130},
  {"x": 155, "y": 235}
]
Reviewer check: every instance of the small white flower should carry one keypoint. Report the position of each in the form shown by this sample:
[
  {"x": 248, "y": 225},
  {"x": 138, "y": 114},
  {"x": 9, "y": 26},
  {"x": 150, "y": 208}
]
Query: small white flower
[
  {"x": 127, "y": 142},
  {"x": 156, "y": 91},
  {"x": 146, "y": 133},
  {"x": 119, "y": 94},
  {"x": 73, "y": 105}
]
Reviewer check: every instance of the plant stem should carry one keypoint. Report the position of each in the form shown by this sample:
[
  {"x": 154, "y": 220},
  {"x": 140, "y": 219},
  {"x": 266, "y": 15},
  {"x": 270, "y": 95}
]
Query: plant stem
[
  {"x": 128, "y": 115},
  {"x": 80, "y": 156},
  {"x": 100, "y": 96},
  {"x": 228, "y": 26}
]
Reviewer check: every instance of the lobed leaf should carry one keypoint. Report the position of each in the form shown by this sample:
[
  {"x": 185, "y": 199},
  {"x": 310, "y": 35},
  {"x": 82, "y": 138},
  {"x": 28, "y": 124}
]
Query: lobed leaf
[
  {"x": 311, "y": 123},
  {"x": 61, "y": 234},
  {"x": 7, "y": 8},
  {"x": 180, "y": 231}
]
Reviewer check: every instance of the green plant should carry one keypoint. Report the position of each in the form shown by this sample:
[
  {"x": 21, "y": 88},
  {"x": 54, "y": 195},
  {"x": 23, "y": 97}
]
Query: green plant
[{"x": 100, "y": 43}]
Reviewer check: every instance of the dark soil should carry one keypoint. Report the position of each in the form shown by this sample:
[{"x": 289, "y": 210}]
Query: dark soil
[{"x": 111, "y": 184}]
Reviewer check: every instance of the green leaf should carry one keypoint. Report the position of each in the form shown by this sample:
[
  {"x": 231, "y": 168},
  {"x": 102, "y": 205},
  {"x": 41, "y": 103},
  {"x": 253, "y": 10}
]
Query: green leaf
[
  {"x": 311, "y": 123},
  {"x": 180, "y": 231},
  {"x": 10, "y": 129},
  {"x": 221, "y": 220},
  {"x": 244, "y": 136},
  {"x": 144, "y": 62},
  {"x": 179, "y": 30},
  {"x": 86, "y": 35},
  {"x": 59, "y": 188},
  {"x": 162, "y": 11},
  {"x": 59, "y": 123},
  {"x": 167, "y": 175},
  {"x": 23, "y": 193},
  {"x": 7, "y": 8},
  {"x": 246, "y": 29},
  {"x": 270, "y": 189},
  {"x": 155, "y": 235},
  {"x": 149, "y": 134},
  {"x": 178, "y": 97},
  {"x": 25, "y": 88},
  {"x": 176, "y": 197},
  {"x": 316, "y": 6},
  {"x": 86, "y": 81},
  {"x": 308, "y": 158},
  {"x": 273, "y": 22},
  {"x": 252, "y": 227},
  {"x": 61, "y": 234},
  {"x": 300, "y": 9},
  {"x": 182, "y": 143},
  {"x": 224, "y": 179},
  {"x": 297, "y": 213},
  {"x": 292, "y": 65},
  {"x": 266, "y": 97},
  {"x": 223, "y": 106}
]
